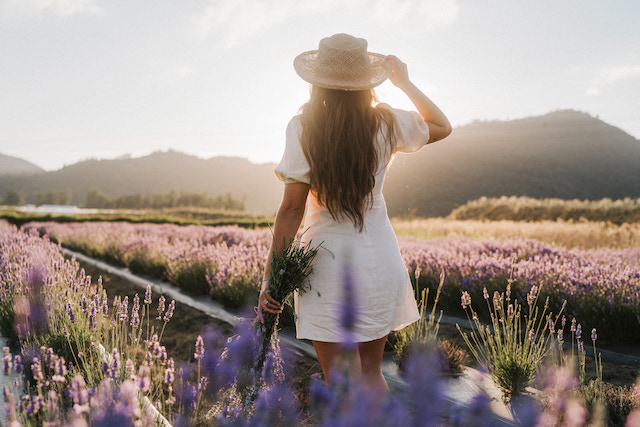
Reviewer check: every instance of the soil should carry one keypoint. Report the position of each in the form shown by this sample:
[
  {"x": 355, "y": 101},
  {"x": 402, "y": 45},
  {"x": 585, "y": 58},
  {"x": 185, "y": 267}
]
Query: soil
[{"x": 182, "y": 331}]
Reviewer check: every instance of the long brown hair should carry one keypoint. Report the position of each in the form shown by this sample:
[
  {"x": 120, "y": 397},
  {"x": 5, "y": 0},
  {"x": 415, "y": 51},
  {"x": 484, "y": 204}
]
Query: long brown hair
[{"x": 339, "y": 130}]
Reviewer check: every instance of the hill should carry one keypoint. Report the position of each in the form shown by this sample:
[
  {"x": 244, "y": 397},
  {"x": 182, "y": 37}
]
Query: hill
[
  {"x": 14, "y": 165},
  {"x": 563, "y": 155},
  {"x": 159, "y": 172}
]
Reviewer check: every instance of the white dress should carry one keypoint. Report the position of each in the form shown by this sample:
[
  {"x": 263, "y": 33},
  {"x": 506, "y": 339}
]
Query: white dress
[{"x": 385, "y": 298}]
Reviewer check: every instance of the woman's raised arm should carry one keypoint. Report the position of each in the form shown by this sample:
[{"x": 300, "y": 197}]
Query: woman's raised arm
[{"x": 439, "y": 126}]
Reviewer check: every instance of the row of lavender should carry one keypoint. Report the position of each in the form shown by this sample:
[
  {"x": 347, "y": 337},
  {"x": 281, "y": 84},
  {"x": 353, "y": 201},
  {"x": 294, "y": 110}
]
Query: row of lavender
[
  {"x": 601, "y": 287},
  {"x": 75, "y": 350},
  {"x": 64, "y": 322}
]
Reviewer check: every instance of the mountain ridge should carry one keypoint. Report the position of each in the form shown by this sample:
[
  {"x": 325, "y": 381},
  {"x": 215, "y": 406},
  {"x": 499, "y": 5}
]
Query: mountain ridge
[
  {"x": 10, "y": 165},
  {"x": 564, "y": 154}
]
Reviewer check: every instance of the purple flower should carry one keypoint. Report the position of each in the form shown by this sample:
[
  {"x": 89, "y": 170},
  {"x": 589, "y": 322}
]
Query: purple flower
[
  {"x": 594, "y": 336},
  {"x": 144, "y": 380},
  {"x": 348, "y": 307},
  {"x": 59, "y": 370},
  {"x": 72, "y": 317},
  {"x": 466, "y": 299},
  {"x": 36, "y": 369},
  {"x": 78, "y": 391},
  {"x": 169, "y": 314},
  {"x": 17, "y": 363},
  {"x": 497, "y": 300},
  {"x": 129, "y": 369},
  {"x": 93, "y": 324},
  {"x": 7, "y": 359},
  {"x": 114, "y": 367},
  {"x": 147, "y": 295},
  {"x": 169, "y": 373},
  {"x": 531, "y": 296},
  {"x": 199, "y": 354}
]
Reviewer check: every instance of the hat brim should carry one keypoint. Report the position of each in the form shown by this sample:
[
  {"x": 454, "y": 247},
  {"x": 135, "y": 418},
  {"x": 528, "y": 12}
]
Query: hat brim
[{"x": 380, "y": 69}]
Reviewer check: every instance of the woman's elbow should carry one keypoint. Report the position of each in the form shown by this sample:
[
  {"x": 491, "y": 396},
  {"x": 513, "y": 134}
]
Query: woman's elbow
[{"x": 440, "y": 132}]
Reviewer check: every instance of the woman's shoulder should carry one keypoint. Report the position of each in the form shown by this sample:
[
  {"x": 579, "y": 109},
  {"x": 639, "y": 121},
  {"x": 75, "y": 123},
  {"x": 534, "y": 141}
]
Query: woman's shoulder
[{"x": 294, "y": 127}]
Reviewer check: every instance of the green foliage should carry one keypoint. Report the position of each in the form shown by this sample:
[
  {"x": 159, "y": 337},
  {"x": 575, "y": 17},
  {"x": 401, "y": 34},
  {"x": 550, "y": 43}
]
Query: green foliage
[
  {"x": 171, "y": 216},
  {"x": 512, "y": 353},
  {"x": 96, "y": 198},
  {"x": 422, "y": 333},
  {"x": 528, "y": 209},
  {"x": 14, "y": 198},
  {"x": 192, "y": 279},
  {"x": 146, "y": 262},
  {"x": 54, "y": 197}
]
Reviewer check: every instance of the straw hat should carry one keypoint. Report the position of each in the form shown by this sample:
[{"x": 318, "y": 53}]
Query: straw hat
[{"x": 342, "y": 62}]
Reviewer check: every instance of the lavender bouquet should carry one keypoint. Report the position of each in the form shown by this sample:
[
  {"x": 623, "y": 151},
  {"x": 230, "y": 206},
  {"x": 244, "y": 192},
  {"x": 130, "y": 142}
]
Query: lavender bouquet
[{"x": 289, "y": 272}]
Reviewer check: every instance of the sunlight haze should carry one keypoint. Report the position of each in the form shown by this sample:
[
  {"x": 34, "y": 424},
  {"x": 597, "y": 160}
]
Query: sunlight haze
[{"x": 101, "y": 79}]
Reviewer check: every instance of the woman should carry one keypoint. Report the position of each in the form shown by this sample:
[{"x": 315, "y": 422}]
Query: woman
[{"x": 337, "y": 152}]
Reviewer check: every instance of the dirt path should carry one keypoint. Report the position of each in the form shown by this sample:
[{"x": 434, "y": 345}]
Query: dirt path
[{"x": 182, "y": 331}]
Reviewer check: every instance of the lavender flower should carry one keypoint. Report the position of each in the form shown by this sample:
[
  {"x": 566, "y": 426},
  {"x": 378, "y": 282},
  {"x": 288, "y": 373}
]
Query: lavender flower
[
  {"x": 135, "y": 312},
  {"x": 79, "y": 394},
  {"x": 199, "y": 354},
  {"x": 169, "y": 373},
  {"x": 129, "y": 369},
  {"x": 17, "y": 363},
  {"x": 36, "y": 369},
  {"x": 147, "y": 295},
  {"x": 466, "y": 299},
  {"x": 114, "y": 366},
  {"x": 144, "y": 380},
  {"x": 348, "y": 308},
  {"x": 531, "y": 296},
  {"x": 59, "y": 370},
  {"x": 169, "y": 314},
  {"x": 594, "y": 335},
  {"x": 7, "y": 359},
  {"x": 161, "y": 302}
]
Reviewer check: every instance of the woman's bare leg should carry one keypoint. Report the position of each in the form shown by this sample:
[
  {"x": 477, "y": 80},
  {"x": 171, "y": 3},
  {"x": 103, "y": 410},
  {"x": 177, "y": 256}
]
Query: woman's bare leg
[
  {"x": 333, "y": 355},
  {"x": 365, "y": 364},
  {"x": 371, "y": 362}
]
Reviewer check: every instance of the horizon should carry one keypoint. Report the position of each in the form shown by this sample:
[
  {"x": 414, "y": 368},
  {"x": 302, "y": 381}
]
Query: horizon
[
  {"x": 252, "y": 161},
  {"x": 101, "y": 79}
]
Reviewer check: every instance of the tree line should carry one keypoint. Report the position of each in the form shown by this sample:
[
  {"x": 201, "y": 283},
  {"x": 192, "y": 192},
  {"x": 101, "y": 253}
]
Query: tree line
[
  {"x": 15, "y": 197},
  {"x": 96, "y": 198}
]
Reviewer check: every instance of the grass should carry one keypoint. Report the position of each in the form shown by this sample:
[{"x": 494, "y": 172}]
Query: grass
[
  {"x": 178, "y": 216},
  {"x": 582, "y": 234},
  {"x": 528, "y": 209}
]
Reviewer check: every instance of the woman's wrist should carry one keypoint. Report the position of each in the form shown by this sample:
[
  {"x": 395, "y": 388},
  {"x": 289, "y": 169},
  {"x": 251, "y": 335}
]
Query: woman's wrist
[{"x": 264, "y": 286}]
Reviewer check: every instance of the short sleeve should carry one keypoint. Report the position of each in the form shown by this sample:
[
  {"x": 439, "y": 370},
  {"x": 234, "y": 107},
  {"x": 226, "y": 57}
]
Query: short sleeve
[
  {"x": 294, "y": 166},
  {"x": 412, "y": 132}
]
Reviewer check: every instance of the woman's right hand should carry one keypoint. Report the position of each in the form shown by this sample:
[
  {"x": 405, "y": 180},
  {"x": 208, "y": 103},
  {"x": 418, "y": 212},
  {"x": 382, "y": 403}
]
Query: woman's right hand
[
  {"x": 400, "y": 75},
  {"x": 267, "y": 304}
]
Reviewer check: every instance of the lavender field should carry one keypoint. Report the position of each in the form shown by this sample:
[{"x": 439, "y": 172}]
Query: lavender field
[
  {"x": 86, "y": 358},
  {"x": 601, "y": 286}
]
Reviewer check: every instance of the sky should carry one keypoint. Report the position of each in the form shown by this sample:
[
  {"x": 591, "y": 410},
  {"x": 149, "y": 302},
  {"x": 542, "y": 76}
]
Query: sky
[{"x": 101, "y": 79}]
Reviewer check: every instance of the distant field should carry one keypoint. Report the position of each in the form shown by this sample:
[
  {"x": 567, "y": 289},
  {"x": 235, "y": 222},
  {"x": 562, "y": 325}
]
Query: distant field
[
  {"x": 588, "y": 235},
  {"x": 528, "y": 209},
  {"x": 178, "y": 216}
]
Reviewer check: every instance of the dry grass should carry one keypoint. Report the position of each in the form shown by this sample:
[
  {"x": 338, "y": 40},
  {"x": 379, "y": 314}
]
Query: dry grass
[{"x": 588, "y": 235}]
